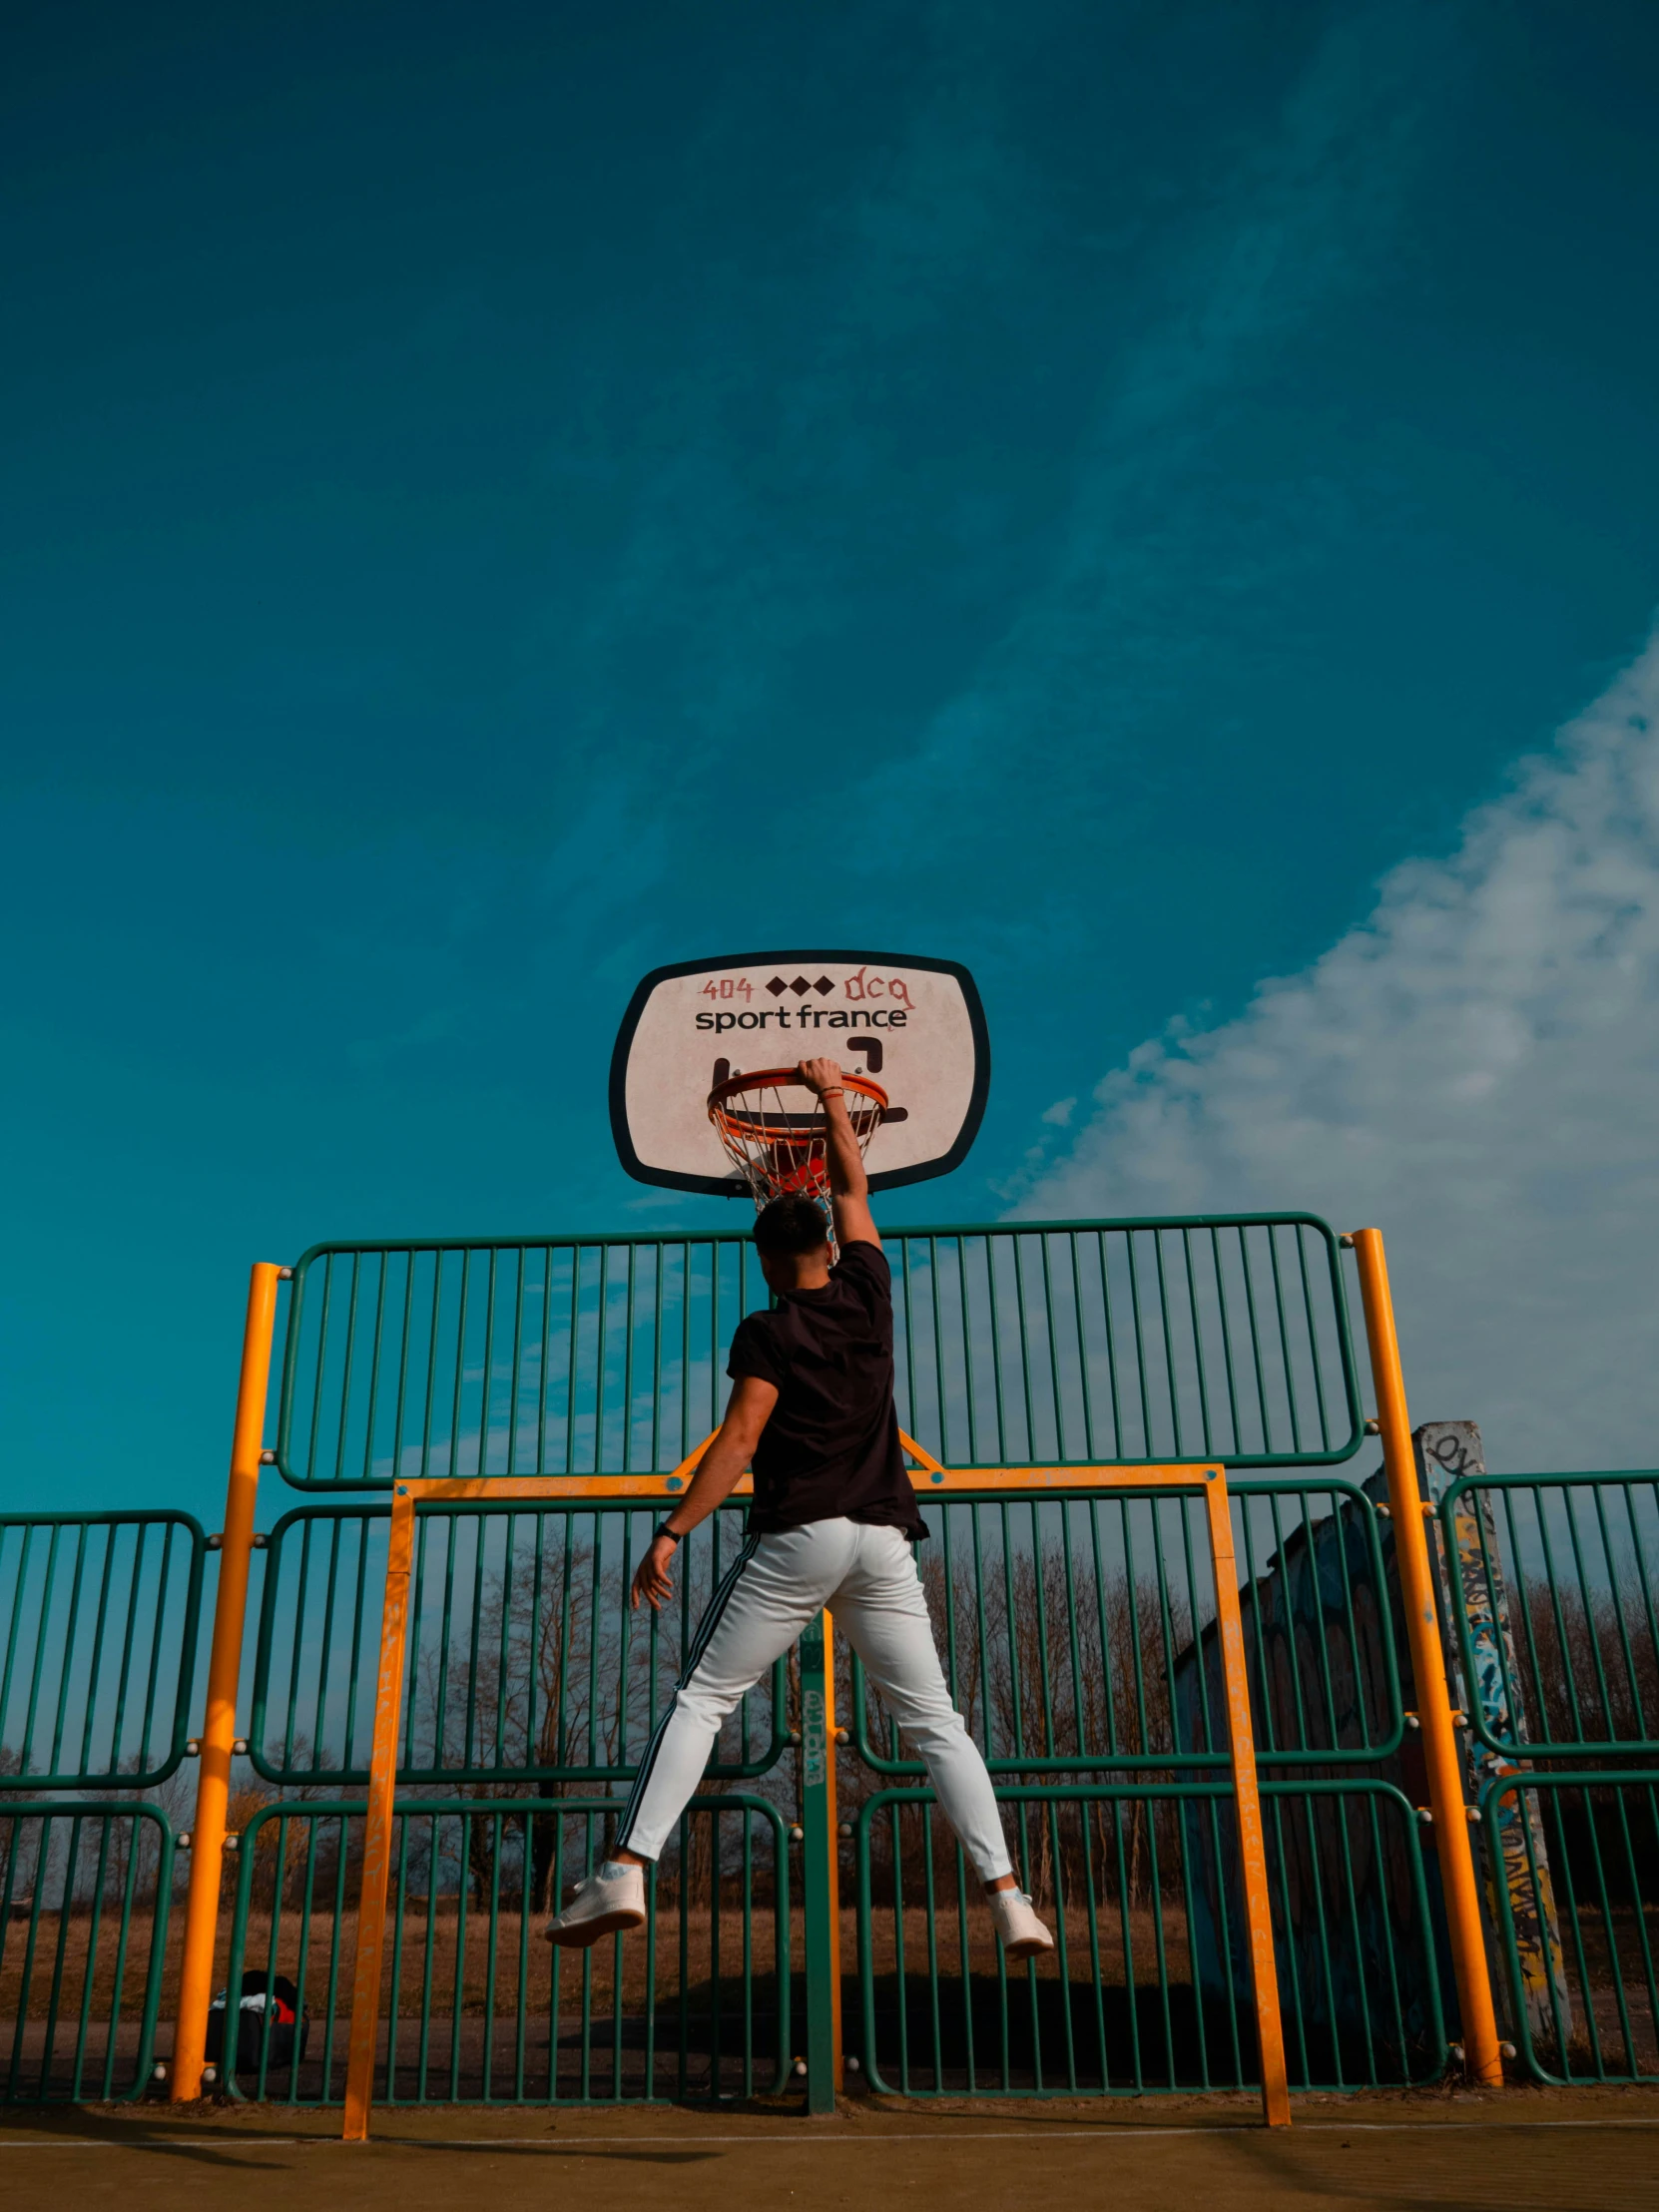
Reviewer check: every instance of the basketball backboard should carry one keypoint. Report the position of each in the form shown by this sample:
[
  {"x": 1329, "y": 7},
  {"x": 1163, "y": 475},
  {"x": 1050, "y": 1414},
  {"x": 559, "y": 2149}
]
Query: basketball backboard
[{"x": 915, "y": 1025}]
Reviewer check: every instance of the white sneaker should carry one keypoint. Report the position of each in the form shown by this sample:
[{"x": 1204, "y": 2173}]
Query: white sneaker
[
  {"x": 1020, "y": 1933},
  {"x": 601, "y": 1906}
]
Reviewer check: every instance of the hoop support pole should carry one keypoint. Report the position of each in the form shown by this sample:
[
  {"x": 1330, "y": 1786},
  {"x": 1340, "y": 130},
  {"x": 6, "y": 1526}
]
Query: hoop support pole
[
  {"x": 1247, "y": 1813},
  {"x": 218, "y": 1723},
  {"x": 1439, "y": 1737},
  {"x": 820, "y": 1866},
  {"x": 363, "y": 2048}
]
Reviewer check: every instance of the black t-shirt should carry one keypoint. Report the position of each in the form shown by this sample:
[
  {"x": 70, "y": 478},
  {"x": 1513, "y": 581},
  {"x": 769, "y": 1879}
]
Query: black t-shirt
[{"x": 831, "y": 1446}]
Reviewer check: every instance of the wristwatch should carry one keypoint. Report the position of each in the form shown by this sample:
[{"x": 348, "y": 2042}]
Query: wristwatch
[{"x": 674, "y": 1536}]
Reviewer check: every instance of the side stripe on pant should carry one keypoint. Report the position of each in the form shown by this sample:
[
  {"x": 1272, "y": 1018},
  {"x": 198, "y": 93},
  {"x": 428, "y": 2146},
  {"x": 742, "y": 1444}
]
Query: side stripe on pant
[{"x": 700, "y": 1643}]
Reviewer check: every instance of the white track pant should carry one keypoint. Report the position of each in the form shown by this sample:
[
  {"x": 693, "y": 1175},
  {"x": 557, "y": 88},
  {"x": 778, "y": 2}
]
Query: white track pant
[{"x": 868, "y": 1578}]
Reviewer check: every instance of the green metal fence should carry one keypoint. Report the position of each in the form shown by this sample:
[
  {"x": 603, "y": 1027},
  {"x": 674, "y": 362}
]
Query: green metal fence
[
  {"x": 1553, "y": 1581},
  {"x": 1589, "y": 1870},
  {"x": 525, "y": 1659},
  {"x": 85, "y": 1889},
  {"x": 101, "y": 1614},
  {"x": 475, "y": 2005},
  {"x": 1110, "y": 1343},
  {"x": 1079, "y": 1632},
  {"x": 1148, "y": 1988},
  {"x": 1558, "y": 1611},
  {"x": 1080, "y": 1638}
]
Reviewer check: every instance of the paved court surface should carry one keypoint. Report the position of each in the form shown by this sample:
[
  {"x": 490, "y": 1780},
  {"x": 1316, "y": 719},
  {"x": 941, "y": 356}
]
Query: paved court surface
[{"x": 1590, "y": 2149}]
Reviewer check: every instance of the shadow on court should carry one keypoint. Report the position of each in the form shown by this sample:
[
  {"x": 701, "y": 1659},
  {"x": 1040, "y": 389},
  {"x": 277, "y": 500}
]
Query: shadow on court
[{"x": 1589, "y": 2151}]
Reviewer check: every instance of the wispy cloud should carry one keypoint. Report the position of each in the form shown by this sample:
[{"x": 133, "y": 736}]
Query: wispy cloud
[
  {"x": 1476, "y": 1070},
  {"x": 773, "y": 437},
  {"x": 1147, "y": 560}
]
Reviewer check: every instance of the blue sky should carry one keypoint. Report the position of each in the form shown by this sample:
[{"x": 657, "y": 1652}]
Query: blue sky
[{"x": 494, "y": 499}]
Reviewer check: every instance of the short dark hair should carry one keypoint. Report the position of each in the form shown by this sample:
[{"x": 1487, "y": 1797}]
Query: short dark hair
[{"x": 791, "y": 1223}]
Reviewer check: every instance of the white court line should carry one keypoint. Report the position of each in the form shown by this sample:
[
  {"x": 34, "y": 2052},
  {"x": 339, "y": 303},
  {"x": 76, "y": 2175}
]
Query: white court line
[{"x": 1107, "y": 2134}]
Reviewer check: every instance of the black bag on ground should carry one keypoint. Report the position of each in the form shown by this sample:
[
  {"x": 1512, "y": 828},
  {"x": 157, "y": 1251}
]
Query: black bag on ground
[{"x": 287, "y": 2027}]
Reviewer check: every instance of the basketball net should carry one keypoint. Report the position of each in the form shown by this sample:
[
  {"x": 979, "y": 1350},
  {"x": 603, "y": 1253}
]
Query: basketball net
[{"x": 781, "y": 1148}]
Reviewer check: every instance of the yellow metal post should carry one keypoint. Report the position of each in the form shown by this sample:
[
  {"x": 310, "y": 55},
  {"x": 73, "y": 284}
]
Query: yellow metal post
[
  {"x": 382, "y": 1777},
  {"x": 1440, "y": 1737},
  {"x": 1247, "y": 1810},
  {"x": 218, "y": 1727}
]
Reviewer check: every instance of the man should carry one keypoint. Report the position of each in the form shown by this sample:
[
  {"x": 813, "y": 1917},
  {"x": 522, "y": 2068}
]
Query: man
[{"x": 834, "y": 1518}]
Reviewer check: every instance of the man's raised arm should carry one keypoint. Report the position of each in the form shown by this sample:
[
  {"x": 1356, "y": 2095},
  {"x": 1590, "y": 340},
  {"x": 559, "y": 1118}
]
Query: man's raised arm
[
  {"x": 719, "y": 1472},
  {"x": 848, "y": 1184}
]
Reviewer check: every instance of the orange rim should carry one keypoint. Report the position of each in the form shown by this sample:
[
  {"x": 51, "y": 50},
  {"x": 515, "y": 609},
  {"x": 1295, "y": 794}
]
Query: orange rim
[
  {"x": 757, "y": 1128},
  {"x": 784, "y": 1150},
  {"x": 780, "y": 1078}
]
